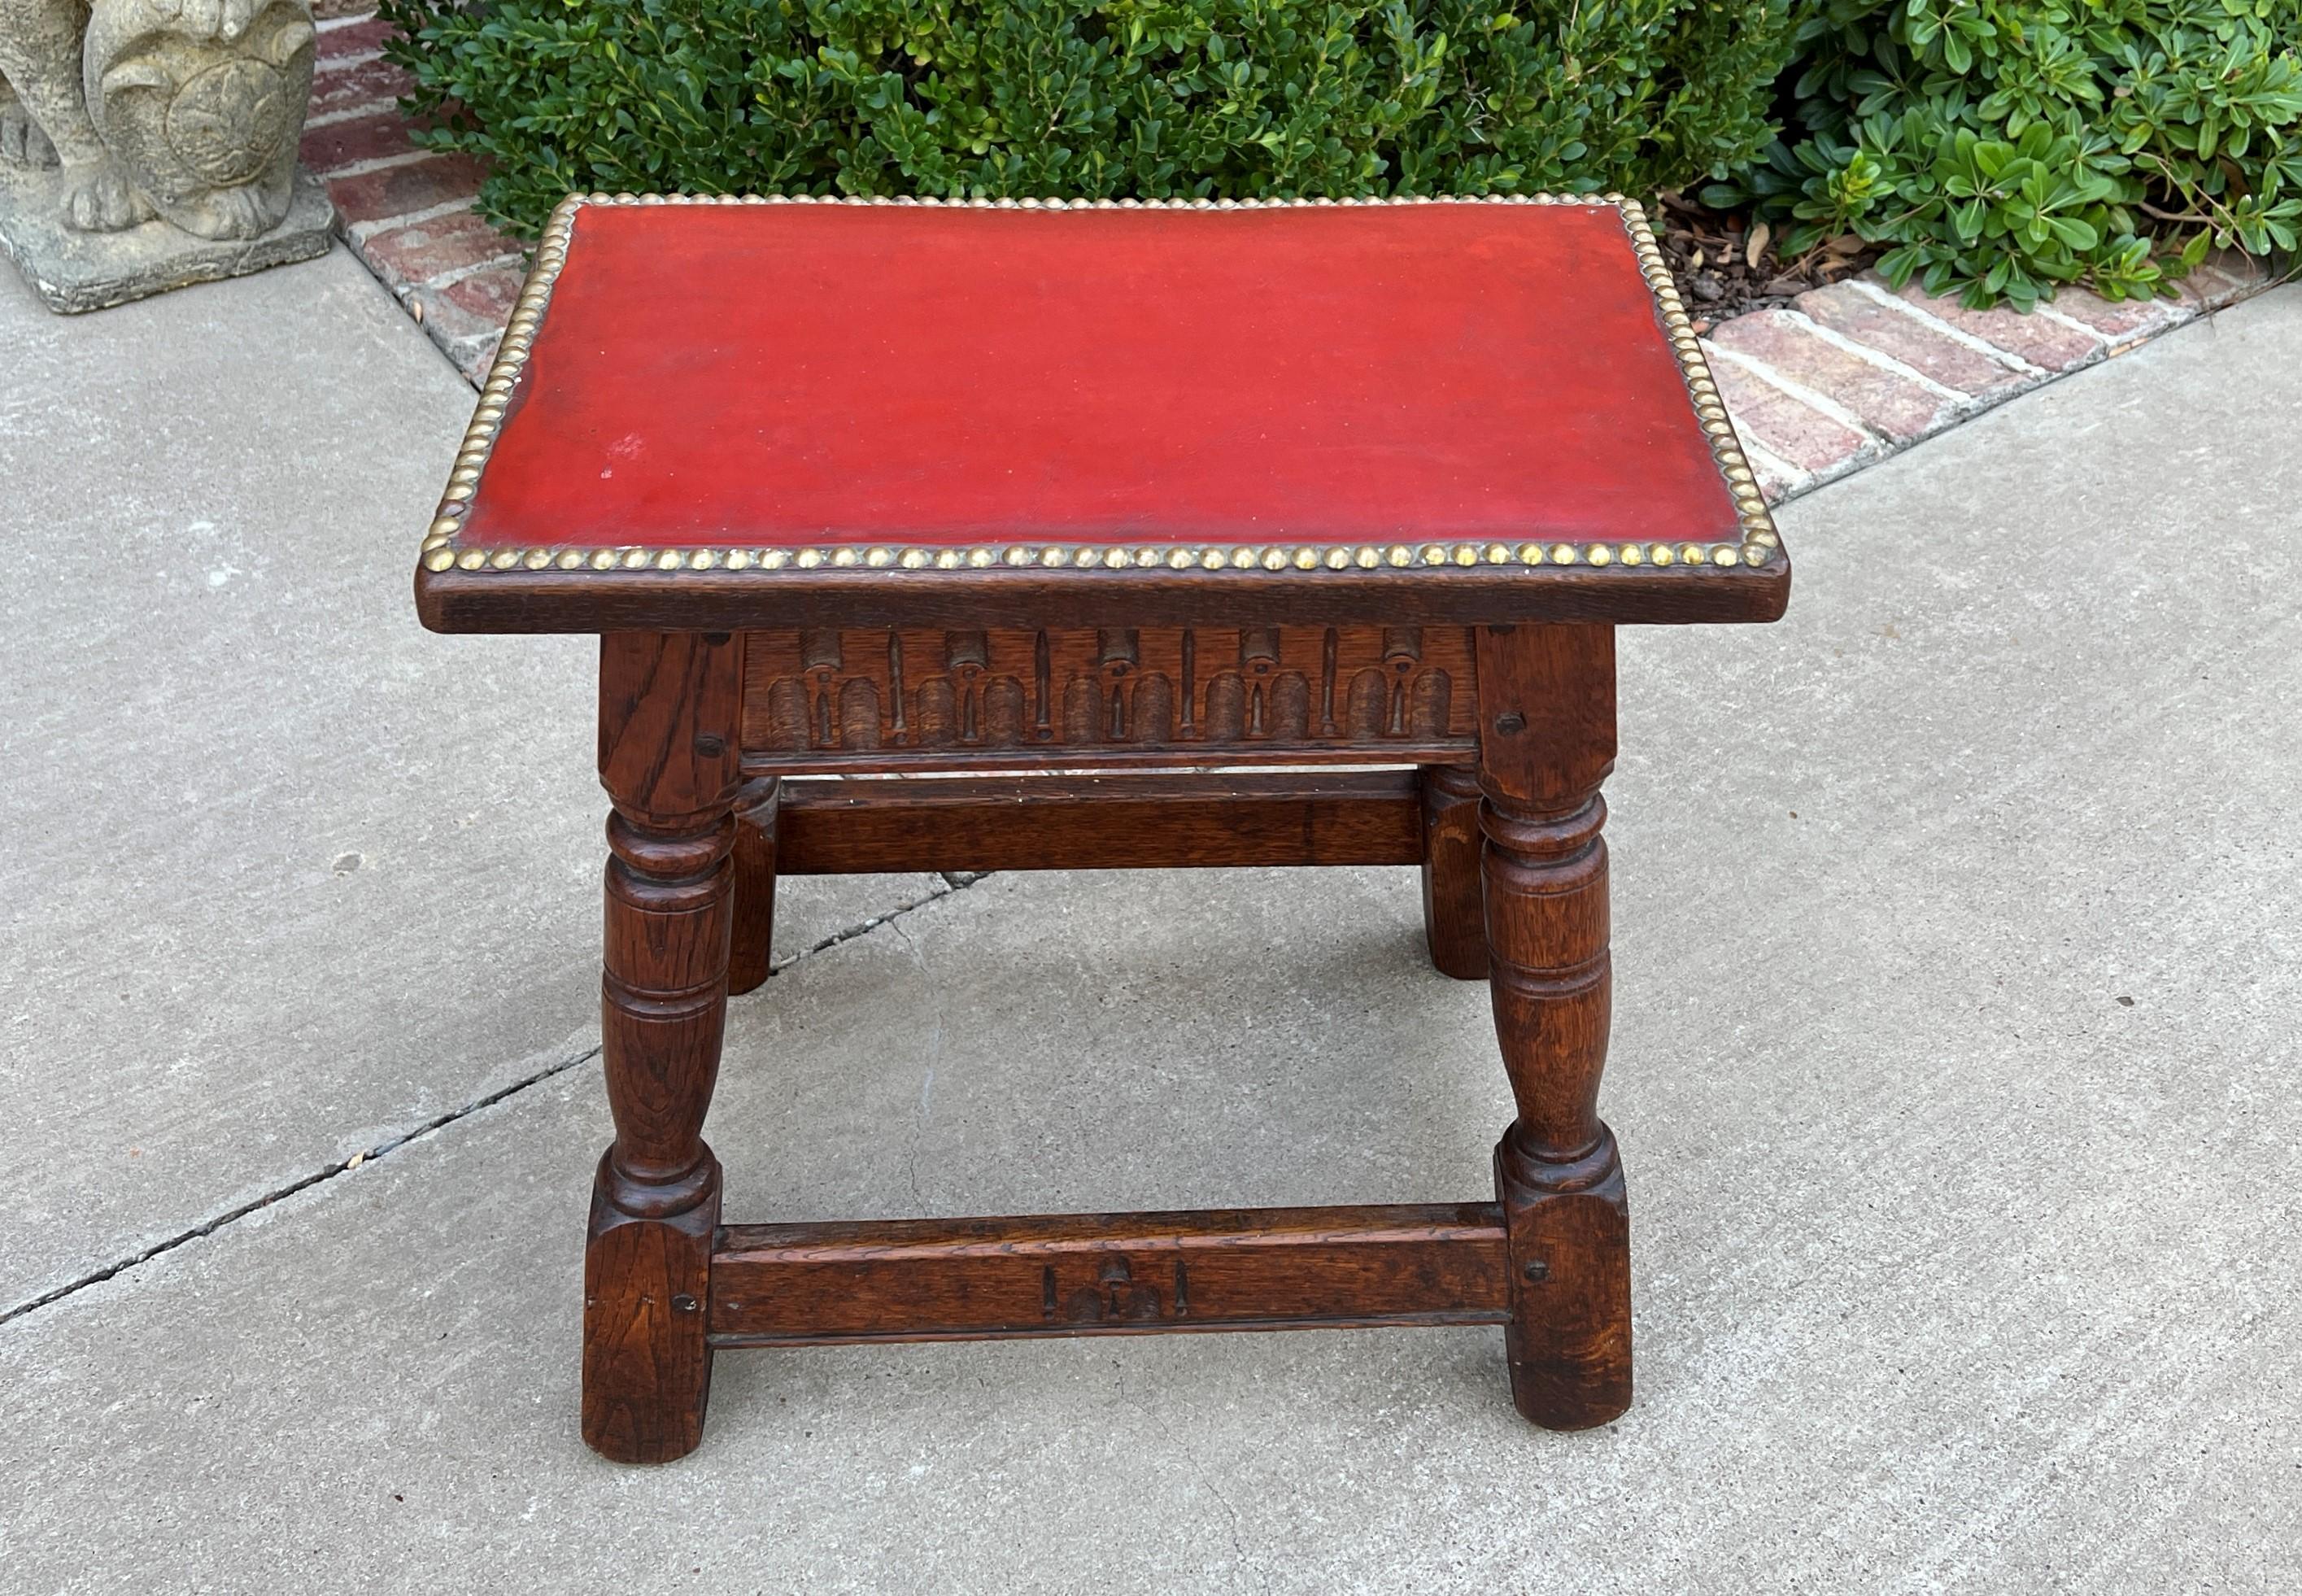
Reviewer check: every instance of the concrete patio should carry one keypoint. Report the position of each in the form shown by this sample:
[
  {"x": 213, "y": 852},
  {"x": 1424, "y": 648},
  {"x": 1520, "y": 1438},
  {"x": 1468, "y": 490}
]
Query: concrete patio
[{"x": 1958, "y": 925}]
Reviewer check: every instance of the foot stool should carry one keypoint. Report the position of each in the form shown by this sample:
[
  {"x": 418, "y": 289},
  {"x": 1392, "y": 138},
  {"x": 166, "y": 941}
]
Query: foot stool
[{"x": 1162, "y": 535}]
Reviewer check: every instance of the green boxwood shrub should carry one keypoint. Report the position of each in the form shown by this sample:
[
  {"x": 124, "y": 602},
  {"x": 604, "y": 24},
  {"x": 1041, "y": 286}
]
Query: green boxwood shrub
[
  {"x": 1221, "y": 98},
  {"x": 2003, "y": 146}
]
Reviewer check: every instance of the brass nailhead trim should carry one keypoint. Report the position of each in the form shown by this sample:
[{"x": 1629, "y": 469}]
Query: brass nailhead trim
[{"x": 1759, "y": 543}]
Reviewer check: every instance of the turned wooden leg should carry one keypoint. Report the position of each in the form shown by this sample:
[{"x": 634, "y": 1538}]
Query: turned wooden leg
[
  {"x": 667, "y": 758},
  {"x": 1453, "y": 922},
  {"x": 1547, "y": 741},
  {"x": 755, "y": 885}
]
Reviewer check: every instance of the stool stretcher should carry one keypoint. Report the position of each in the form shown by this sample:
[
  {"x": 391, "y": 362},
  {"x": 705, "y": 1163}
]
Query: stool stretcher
[
  {"x": 1109, "y": 1274},
  {"x": 1111, "y": 822}
]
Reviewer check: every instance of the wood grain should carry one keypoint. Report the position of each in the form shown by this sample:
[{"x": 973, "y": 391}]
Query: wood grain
[
  {"x": 1547, "y": 712},
  {"x": 872, "y": 699},
  {"x": 752, "y": 945},
  {"x": 1110, "y": 1273},
  {"x": 1119, "y": 822},
  {"x": 553, "y": 601},
  {"x": 1454, "y": 919},
  {"x": 667, "y": 757}
]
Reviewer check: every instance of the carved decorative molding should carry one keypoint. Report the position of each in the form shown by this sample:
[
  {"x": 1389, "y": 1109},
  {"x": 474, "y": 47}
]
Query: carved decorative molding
[{"x": 866, "y": 700}]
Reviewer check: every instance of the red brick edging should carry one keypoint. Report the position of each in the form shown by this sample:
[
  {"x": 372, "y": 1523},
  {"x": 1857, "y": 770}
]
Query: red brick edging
[
  {"x": 1848, "y": 375},
  {"x": 407, "y": 212}
]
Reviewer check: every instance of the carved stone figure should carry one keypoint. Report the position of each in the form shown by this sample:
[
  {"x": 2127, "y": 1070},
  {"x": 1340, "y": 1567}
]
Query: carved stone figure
[{"x": 166, "y": 127}]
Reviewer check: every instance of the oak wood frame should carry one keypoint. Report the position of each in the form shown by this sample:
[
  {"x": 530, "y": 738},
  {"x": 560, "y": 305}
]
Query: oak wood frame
[{"x": 1515, "y": 891}]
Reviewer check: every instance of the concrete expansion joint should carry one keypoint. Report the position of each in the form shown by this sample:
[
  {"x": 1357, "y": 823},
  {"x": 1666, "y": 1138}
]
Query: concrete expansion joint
[{"x": 952, "y": 882}]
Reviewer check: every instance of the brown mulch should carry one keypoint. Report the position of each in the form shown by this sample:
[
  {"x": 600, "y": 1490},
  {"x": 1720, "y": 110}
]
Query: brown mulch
[{"x": 1725, "y": 265}]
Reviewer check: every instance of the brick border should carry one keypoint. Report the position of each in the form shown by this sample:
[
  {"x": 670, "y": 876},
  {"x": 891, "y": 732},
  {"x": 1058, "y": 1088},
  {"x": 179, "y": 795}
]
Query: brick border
[{"x": 1848, "y": 375}]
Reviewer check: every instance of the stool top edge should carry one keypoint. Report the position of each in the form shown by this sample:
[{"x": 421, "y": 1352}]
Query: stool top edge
[{"x": 1746, "y": 553}]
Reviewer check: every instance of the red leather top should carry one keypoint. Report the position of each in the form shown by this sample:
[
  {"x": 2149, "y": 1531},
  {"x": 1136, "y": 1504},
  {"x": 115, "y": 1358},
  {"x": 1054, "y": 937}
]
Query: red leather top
[{"x": 777, "y": 374}]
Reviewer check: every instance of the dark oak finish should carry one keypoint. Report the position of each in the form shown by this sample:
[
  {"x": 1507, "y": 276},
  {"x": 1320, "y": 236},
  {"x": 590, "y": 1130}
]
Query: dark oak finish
[
  {"x": 867, "y": 699},
  {"x": 1117, "y": 545},
  {"x": 667, "y": 757},
  {"x": 1516, "y": 890},
  {"x": 1453, "y": 916},
  {"x": 752, "y": 945},
  {"x": 1513, "y": 888},
  {"x": 1110, "y": 822},
  {"x": 548, "y": 600},
  {"x": 1547, "y": 704},
  {"x": 1110, "y": 1275}
]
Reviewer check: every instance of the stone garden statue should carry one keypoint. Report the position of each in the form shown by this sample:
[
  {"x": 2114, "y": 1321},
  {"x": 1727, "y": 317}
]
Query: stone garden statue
[{"x": 146, "y": 144}]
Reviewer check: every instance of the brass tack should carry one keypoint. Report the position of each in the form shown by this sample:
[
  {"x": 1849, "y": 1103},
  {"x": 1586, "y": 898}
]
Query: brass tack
[
  {"x": 1243, "y": 557},
  {"x": 878, "y": 558},
  {"x": 1180, "y": 559},
  {"x": 1019, "y": 556},
  {"x": 1434, "y": 555},
  {"x": 1117, "y": 559},
  {"x": 774, "y": 560},
  {"x": 845, "y": 558},
  {"x": 1214, "y": 559},
  {"x": 1339, "y": 559},
  {"x": 503, "y": 559},
  {"x": 1562, "y": 554},
  {"x": 1367, "y": 558},
  {"x": 445, "y": 527},
  {"x": 1466, "y": 554},
  {"x": 1753, "y": 555},
  {"x": 603, "y": 559},
  {"x": 1600, "y": 554},
  {"x": 980, "y": 558},
  {"x": 1399, "y": 554},
  {"x": 914, "y": 558},
  {"x": 669, "y": 560},
  {"x": 438, "y": 560},
  {"x": 1663, "y": 554},
  {"x": 810, "y": 558},
  {"x": 1274, "y": 559},
  {"x": 537, "y": 558},
  {"x": 702, "y": 560},
  {"x": 1530, "y": 554},
  {"x": 1306, "y": 559},
  {"x": 1054, "y": 556},
  {"x": 1634, "y": 554},
  {"x": 949, "y": 559},
  {"x": 1498, "y": 554}
]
